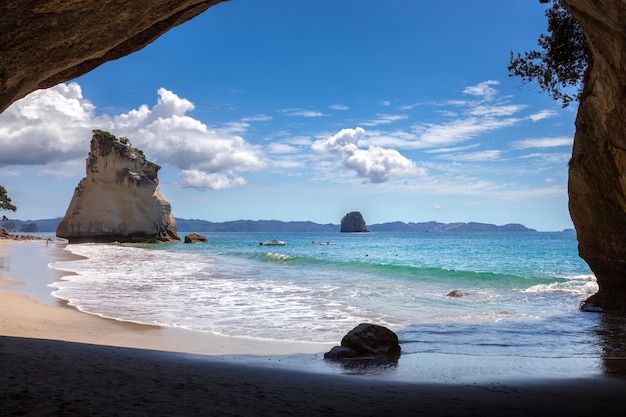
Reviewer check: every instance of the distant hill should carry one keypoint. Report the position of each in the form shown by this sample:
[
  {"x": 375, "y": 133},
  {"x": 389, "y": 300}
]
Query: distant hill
[
  {"x": 43, "y": 226},
  {"x": 447, "y": 227},
  {"x": 276, "y": 226},
  {"x": 184, "y": 225}
]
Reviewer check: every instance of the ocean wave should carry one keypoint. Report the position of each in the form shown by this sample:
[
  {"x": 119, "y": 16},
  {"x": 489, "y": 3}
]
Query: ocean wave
[
  {"x": 302, "y": 293},
  {"x": 579, "y": 284}
]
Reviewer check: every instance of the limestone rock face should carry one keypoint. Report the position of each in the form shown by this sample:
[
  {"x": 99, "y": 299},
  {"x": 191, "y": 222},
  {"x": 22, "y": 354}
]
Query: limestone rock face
[
  {"x": 47, "y": 42},
  {"x": 119, "y": 199},
  {"x": 597, "y": 170},
  {"x": 353, "y": 222}
]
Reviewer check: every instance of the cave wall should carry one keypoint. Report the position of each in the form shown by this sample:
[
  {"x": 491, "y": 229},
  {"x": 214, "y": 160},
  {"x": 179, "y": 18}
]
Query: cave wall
[
  {"x": 44, "y": 43},
  {"x": 597, "y": 170}
]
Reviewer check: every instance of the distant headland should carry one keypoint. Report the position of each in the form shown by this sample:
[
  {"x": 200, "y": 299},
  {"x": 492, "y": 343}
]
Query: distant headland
[{"x": 277, "y": 226}]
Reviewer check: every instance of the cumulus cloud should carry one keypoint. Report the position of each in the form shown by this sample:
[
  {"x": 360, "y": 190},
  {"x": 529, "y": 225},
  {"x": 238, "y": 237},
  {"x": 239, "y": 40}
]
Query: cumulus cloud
[
  {"x": 55, "y": 125},
  {"x": 171, "y": 137},
  {"x": 345, "y": 141},
  {"x": 46, "y": 126},
  {"x": 374, "y": 163}
]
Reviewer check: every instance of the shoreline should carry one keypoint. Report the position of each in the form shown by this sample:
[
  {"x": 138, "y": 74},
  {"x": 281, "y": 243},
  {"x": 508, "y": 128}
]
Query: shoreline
[
  {"x": 58, "y": 360},
  {"x": 29, "y": 310}
]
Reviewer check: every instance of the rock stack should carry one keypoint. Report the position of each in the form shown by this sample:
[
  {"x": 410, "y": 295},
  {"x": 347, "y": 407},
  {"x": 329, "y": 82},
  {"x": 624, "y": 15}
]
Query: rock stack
[
  {"x": 119, "y": 199},
  {"x": 353, "y": 223}
]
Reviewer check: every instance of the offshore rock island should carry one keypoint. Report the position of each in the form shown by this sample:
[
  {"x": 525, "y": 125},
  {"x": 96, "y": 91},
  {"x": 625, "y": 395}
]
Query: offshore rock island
[
  {"x": 119, "y": 199},
  {"x": 353, "y": 222}
]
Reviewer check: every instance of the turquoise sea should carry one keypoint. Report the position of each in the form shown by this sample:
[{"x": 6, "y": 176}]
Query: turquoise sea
[{"x": 520, "y": 293}]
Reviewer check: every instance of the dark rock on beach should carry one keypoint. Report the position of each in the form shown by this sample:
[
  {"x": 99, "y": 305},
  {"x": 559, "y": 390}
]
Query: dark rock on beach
[
  {"x": 195, "y": 238},
  {"x": 456, "y": 294},
  {"x": 353, "y": 222},
  {"x": 367, "y": 342}
]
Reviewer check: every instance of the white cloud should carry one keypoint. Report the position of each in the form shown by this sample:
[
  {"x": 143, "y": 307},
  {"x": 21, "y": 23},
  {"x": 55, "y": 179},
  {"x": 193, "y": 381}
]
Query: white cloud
[
  {"x": 454, "y": 149},
  {"x": 398, "y": 139},
  {"x": 169, "y": 136},
  {"x": 339, "y": 106},
  {"x": 345, "y": 140},
  {"x": 380, "y": 164},
  {"x": 543, "y": 114},
  {"x": 282, "y": 148},
  {"x": 215, "y": 181},
  {"x": 257, "y": 118},
  {"x": 55, "y": 125},
  {"x": 374, "y": 163},
  {"x": 407, "y": 107},
  {"x": 483, "y": 90},
  {"x": 542, "y": 143},
  {"x": 46, "y": 126},
  {"x": 304, "y": 113},
  {"x": 479, "y": 156},
  {"x": 470, "y": 119},
  {"x": 458, "y": 131},
  {"x": 496, "y": 111},
  {"x": 385, "y": 119}
]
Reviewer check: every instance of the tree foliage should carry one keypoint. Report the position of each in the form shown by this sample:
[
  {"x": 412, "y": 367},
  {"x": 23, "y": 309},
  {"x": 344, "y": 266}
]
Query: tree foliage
[
  {"x": 559, "y": 66},
  {"x": 5, "y": 201}
]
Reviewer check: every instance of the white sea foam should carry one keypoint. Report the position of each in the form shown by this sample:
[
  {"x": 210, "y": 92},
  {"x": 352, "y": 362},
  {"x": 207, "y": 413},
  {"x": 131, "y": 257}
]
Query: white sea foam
[
  {"x": 202, "y": 293},
  {"x": 577, "y": 284},
  {"x": 298, "y": 292}
]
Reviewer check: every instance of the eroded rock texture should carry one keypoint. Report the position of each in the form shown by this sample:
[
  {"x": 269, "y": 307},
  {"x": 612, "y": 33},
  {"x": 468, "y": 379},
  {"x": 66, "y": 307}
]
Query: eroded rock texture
[
  {"x": 119, "y": 199},
  {"x": 44, "y": 43},
  {"x": 597, "y": 173}
]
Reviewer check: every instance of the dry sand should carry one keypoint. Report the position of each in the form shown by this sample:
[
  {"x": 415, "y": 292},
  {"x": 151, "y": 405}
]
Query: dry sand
[{"x": 56, "y": 361}]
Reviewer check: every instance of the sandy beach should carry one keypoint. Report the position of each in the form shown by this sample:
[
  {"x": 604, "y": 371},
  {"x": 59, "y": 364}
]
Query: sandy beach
[{"x": 56, "y": 360}]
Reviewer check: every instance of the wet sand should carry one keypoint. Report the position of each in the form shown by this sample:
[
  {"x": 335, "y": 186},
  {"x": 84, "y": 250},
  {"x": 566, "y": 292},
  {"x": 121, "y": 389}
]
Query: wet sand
[{"x": 55, "y": 360}]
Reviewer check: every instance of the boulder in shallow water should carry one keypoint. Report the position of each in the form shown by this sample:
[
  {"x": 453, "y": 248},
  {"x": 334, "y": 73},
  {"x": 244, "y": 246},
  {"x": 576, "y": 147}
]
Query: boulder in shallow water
[
  {"x": 367, "y": 341},
  {"x": 195, "y": 238}
]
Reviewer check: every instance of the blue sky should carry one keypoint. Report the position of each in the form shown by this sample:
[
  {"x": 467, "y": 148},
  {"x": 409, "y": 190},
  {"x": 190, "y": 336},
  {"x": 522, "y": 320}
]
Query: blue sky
[{"x": 287, "y": 110}]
